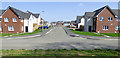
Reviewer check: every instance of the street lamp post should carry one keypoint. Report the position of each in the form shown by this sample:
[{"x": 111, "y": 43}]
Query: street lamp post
[{"x": 42, "y": 22}]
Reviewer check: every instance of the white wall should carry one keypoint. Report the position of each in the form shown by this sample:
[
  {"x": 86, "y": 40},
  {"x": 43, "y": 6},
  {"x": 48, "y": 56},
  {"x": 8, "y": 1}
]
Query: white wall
[
  {"x": 66, "y": 24},
  {"x": 88, "y": 22},
  {"x": 82, "y": 22},
  {"x": 30, "y": 26},
  {"x": 38, "y": 20},
  {"x": 29, "y": 22},
  {"x": 26, "y": 23}
]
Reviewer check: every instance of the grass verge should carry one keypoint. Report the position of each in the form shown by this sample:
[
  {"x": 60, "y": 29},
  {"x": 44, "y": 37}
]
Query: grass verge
[
  {"x": 20, "y": 34},
  {"x": 112, "y": 34},
  {"x": 61, "y": 52},
  {"x": 86, "y": 33}
]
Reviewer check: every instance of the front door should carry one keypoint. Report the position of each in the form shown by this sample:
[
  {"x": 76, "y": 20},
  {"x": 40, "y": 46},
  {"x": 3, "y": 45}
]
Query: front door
[
  {"x": 89, "y": 28},
  {"x": 26, "y": 28}
]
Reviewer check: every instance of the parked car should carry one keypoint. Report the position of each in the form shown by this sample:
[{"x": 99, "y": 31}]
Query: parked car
[{"x": 44, "y": 27}]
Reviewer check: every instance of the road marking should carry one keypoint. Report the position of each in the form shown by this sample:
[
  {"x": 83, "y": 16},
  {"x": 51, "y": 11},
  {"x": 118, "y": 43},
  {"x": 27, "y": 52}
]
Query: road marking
[
  {"x": 111, "y": 39},
  {"x": 24, "y": 37},
  {"x": 49, "y": 31}
]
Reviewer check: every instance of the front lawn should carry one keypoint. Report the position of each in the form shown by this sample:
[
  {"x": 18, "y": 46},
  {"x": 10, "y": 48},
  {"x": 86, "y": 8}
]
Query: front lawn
[
  {"x": 86, "y": 33},
  {"x": 112, "y": 34},
  {"x": 60, "y": 52},
  {"x": 20, "y": 34}
]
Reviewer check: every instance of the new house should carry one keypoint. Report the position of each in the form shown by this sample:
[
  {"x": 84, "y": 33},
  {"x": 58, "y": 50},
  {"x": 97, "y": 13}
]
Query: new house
[
  {"x": 103, "y": 20},
  {"x": 80, "y": 22},
  {"x": 66, "y": 23},
  {"x": 16, "y": 21}
]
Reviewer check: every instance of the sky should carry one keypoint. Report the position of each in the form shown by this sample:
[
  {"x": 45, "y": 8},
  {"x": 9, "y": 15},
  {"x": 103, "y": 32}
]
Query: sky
[{"x": 59, "y": 11}]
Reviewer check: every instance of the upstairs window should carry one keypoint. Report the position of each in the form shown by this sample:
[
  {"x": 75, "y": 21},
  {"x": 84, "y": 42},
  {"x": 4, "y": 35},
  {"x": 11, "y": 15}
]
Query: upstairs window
[
  {"x": 0, "y": 28},
  {"x": 105, "y": 27},
  {"x": 21, "y": 20},
  {"x": 109, "y": 18},
  {"x": 10, "y": 28},
  {"x": 117, "y": 19},
  {"x": 6, "y": 19},
  {"x": 22, "y": 28},
  {"x": 14, "y": 19},
  {"x": 117, "y": 27},
  {"x": 0, "y": 19},
  {"x": 101, "y": 18}
]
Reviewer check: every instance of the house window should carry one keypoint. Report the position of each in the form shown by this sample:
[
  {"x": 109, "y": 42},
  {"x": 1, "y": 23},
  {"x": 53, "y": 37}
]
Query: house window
[
  {"x": 117, "y": 19},
  {"x": 109, "y": 18},
  {"x": 101, "y": 18},
  {"x": 14, "y": 19},
  {"x": 10, "y": 28},
  {"x": 21, "y": 20},
  {"x": 117, "y": 27},
  {"x": 22, "y": 28},
  {"x": 6, "y": 19},
  {"x": 105, "y": 27},
  {"x": 0, "y": 19},
  {"x": 0, "y": 28}
]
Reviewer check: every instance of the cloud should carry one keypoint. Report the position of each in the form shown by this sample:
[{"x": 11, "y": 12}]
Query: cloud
[{"x": 81, "y": 4}]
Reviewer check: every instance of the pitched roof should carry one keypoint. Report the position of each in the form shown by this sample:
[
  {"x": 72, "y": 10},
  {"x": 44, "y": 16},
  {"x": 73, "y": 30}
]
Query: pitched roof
[
  {"x": 36, "y": 15},
  {"x": 1, "y": 12},
  {"x": 96, "y": 12},
  {"x": 99, "y": 10},
  {"x": 79, "y": 17},
  {"x": 21, "y": 13},
  {"x": 116, "y": 11},
  {"x": 90, "y": 14}
]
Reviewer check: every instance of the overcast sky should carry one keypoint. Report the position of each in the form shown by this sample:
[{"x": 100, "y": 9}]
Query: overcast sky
[{"x": 59, "y": 11}]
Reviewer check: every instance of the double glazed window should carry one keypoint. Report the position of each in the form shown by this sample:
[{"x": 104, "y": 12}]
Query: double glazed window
[
  {"x": 6, "y": 19},
  {"x": 101, "y": 18},
  {"x": 117, "y": 27},
  {"x": 21, "y": 20},
  {"x": 10, "y": 28},
  {"x": 22, "y": 28},
  {"x": 109, "y": 18},
  {"x": 0, "y": 19},
  {"x": 117, "y": 19},
  {"x": 105, "y": 27},
  {"x": 0, "y": 28},
  {"x": 14, "y": 19}
]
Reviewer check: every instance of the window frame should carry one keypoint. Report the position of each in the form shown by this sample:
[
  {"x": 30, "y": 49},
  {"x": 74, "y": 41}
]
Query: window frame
[
  {"x": 105, "y": 27},
  {"x": 14, "y": 20},
  {"x": 21, "y": 19},
  {"x": 22, "y": 28},
  {"x": 5, "y": 19},
  {"x": 110, "y": 19},
  {"x": 0, "y": 28},
  {"x": 101, "y": 18},
  {"x": 10, "y": 28},
  {"x": 0, "y": 19},
  {"x": 118, "y": 28}
]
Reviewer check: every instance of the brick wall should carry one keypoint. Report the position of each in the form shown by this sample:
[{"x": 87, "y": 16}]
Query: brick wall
[
  {"x": 99, "y": 24},
  {"x": 17, "y": 25}
]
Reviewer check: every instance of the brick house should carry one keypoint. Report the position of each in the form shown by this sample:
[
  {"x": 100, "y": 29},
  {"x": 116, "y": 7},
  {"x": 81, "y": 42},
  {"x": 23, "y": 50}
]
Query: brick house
[
  {"x": 15, "y": 21},
  {"x": 103, "y": 20}
]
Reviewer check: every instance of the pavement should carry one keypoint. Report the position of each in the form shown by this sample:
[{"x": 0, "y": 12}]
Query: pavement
[
  {"x": 57, "y": 38},
  {"x": 27, "y": 36},
  {"x": 70, "y": 33}
]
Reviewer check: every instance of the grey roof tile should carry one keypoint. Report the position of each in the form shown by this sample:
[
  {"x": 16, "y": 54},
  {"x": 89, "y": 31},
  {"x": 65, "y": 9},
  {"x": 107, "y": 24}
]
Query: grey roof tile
[
  {"x": 1, "y": 12},
  {"x": 90, "y": 14}
]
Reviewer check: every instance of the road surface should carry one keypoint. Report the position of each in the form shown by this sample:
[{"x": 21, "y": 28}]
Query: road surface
[{"x": 56, "y": 38}]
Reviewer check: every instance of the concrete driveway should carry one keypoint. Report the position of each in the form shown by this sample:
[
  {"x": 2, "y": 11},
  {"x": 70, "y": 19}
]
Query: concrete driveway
[{"x": 56, "y": 38}]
